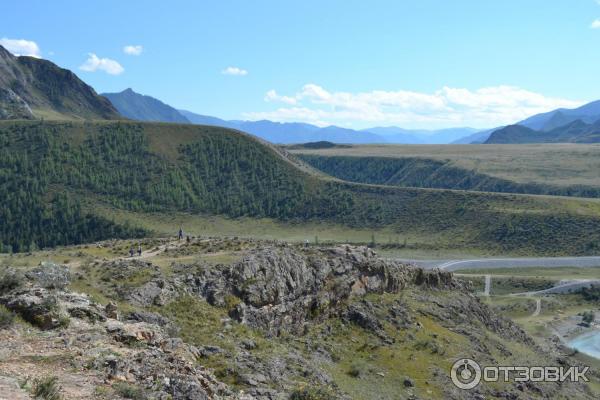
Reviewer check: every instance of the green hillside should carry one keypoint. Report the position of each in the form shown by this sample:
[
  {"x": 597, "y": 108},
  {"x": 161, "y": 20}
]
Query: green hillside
[
  {"x": 428, "y": 173},
  {"x": 149, "y": 167}
]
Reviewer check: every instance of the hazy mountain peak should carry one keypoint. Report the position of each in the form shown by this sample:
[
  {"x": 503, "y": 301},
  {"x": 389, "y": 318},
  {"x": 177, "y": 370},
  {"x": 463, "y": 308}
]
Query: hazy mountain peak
[
  {"x": 144, "y": 108},
  {"x": 588, "y": 113},
  {"x": 576, "y": 131}
]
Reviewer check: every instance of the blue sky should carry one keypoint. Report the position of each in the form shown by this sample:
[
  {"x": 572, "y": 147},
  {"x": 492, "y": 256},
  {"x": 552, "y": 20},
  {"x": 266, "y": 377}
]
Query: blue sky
[{"x": 416, "y": 64}]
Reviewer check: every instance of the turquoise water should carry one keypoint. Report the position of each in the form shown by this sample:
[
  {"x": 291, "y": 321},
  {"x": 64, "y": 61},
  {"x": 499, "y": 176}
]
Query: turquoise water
[{"x": 588, "y": 343}]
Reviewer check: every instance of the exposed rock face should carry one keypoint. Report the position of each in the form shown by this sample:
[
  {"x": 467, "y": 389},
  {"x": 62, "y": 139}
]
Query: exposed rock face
[
  {"x": 50, "y": 309},
  {"x": 162, "y": 365},
  {"x": 468, "y": 308},
  {"x": 28, "y": 83},
  {"x": 12, "y": 106},
  {"x": 157, "y": 292},
  {"x": 149, "y": 317},
  {"x": 281, "y": 288},
  {"x": 363, "y": 315},
  {"x": 37, "y": 306}
]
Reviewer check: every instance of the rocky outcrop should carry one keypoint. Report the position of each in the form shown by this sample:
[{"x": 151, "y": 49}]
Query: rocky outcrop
[
  {"x": 36, "y": 306},
  {"x": 181, "y": 380},
  {"x": 51, "y": 309},
  {"x": 12, "y": 106},
  {"x": 281, "y": 288},
  {"x": 157, "y": 292},
  {"x": 150, "y": 358},
  {"x": 459, "y": 311},
  {"x": 50, "y": 275},
  {"x": 364, "y": 316}
]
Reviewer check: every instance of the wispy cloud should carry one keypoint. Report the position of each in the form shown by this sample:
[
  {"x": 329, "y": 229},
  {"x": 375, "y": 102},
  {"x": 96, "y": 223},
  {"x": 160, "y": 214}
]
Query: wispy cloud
[
  {"x": 272, "y": 96},
  {"x": 95, "y": 63},
  {"x": 234, "y": 71},
  {"x": 484, "y": 107},
  {"x": 21, "y": 47},
  {"x": 133, "y": 50},
  {"x": 595, "y": 24}
]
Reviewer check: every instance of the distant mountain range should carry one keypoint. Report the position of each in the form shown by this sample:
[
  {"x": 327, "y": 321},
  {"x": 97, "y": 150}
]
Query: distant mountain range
[
  {"x": 588, "y": 113},
  {"x": 578, "y": 125},
  {"x": 477, "y": 137},
  {"x": 573, "y": 132},
  {"x": 394, "y": 134},
  {"x": 289, "y": 132},
  {"x": 144, "y": 108},
  {"x": 33, "y": 88}
]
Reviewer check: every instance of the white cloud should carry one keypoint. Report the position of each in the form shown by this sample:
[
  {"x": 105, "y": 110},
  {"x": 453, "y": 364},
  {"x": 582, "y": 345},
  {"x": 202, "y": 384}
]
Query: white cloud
[
  {"x": 234, "y": 71},
  {"x": 595, "y": 24},
  {"x": 484, "y": 107},
  {"x": 94, "y": 63},
  {"x": 133, "y": 50},
  {"x": 21, "y": 47},
  {"x": 272, "y": 96}
]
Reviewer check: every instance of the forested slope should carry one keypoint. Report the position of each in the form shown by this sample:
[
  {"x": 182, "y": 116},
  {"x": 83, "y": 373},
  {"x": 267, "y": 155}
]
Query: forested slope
[
  {"x": 46, "y": 167},
  {"x": 428, "y": 173}
]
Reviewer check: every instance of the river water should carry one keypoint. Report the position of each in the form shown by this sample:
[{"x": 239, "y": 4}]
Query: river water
[{"x": 588, "y": 343}]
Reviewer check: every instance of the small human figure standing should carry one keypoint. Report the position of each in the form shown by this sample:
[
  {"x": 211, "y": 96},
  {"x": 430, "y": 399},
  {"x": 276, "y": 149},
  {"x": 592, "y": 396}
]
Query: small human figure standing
[
  {"x": 139, "y": 250},
  {"x": 131, "y": 252},
  {"x": 180, "y": 233}
]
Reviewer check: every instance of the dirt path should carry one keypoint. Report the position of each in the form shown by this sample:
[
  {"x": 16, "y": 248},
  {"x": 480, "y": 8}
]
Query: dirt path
[
  {"x": 160, "y": 249},
  {"x": 155, "y": 251}
]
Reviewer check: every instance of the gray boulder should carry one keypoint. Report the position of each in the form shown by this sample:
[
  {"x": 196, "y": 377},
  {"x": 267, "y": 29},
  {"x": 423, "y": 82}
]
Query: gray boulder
[
  {"x": 50, "y": 275},
  {"x": 36, "y": 306}
]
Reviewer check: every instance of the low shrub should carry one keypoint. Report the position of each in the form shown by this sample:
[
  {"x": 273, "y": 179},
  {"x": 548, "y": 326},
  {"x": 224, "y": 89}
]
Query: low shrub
[
  {"x": 11, "y": 279},
  {"x": 7, "y": 317},
  {"x": 47, "y": 388},
  {"x": 129, "y": 391},
  {"x": 356, "y": 370},
  {"x": 311, "y": 393}
]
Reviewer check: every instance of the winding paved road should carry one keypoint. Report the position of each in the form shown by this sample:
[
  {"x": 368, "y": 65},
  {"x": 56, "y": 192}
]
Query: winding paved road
[
  {"x": 488, "y": 284},
  {"x": 546, "y": 262},
  {"x": 538, "y": 308},
  {"x": 565, "y": 287}
]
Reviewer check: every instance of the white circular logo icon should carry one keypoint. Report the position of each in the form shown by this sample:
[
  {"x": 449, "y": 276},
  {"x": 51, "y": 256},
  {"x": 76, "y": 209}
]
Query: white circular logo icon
[{"x": 465, "y": 374}]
